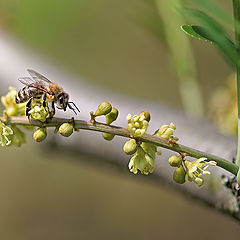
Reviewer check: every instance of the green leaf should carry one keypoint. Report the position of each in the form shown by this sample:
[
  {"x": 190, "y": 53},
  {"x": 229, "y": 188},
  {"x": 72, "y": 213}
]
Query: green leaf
[
  {"x": 215, "y": 10},
  {"x": 197, "y": 32},
  {"x": 215, "y": 33}
]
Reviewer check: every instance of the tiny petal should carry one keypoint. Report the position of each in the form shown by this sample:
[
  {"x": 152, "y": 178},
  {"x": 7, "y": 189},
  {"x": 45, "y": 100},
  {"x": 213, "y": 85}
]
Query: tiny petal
[
  {"x": 136, "y": 118},
  {"x": 137, "y": 125},
  {"x": 206, "y": 173},
  {"x": 199, "y": 181},
  {"x": 129, "y": 116},
  {"x": 142, "y": 118},
  {"x": 213, "y": 163}
]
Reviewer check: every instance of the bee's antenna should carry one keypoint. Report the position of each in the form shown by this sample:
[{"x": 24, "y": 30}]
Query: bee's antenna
[{"x": 72, "y": 107}]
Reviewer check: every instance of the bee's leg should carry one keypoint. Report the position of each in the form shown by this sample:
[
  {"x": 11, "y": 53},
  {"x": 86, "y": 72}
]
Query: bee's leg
[
  {"x": 28, "y": 107},
  {"x": 44, "y": 100},
  {"x": 52, "y": 112}
]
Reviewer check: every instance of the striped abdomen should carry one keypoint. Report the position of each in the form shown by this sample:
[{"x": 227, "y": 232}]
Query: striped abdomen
[{"x": 25, "y": 94}]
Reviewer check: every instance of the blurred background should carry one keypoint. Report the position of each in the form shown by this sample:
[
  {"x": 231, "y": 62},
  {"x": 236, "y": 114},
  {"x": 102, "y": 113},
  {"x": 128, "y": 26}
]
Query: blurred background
[{"x": 122, "y": 46}]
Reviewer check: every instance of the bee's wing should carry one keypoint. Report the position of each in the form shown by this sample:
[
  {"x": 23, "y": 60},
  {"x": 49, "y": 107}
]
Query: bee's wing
[
  {"x": 37, "y": 76},
  {"x": 30, "y": 82},
  {"x": 27, "y": 81}
]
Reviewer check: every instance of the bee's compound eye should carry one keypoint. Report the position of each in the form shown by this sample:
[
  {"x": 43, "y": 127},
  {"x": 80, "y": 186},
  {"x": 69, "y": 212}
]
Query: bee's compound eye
[{"x": 61, "y": 100}]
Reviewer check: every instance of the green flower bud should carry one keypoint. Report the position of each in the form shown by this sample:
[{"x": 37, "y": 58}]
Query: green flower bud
[
  {"x": 146, "y": 114},
  {"x": 40, "y": 134},
  {"x": 130, "y": 147},
  {"x": 175, "y": 160},
  {"x": 108, "y": 136},
  {"x": 112, "y": 116},
  {"x": 66, "y": 129},
  {"x": 103, "y": 109},
  {"x": 179, "y": 175}
]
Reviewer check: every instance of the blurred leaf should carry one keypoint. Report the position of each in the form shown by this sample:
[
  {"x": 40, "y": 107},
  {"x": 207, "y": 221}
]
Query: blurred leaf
[
  {"x": 213, "y": 8},
  {"x": 216, "y": 33},
  {"x": 197, "y": 32}
]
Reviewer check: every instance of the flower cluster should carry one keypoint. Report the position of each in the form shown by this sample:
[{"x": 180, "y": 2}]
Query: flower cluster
[
  {"x": 38, "y": 112},
  {"x": 137, "y": 125},
  {"x": 144, "y": 154},
  {"x": 11, "y": 107},
  {"x": 190, "y": 171}
]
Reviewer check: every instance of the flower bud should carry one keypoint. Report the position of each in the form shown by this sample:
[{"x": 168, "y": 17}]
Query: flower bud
[
  {"x": 112, "y": 116},
  {"x": 66, "y": 129},
  {"x": 40, "y": 134},
  {"x": 103, "y": 109},
  {"x": 108, "y": 136},
  {"x": 175, "y": 160},
  {"x": 179, "y": 175},
  {"x": 146, "y": 115},
  {"x": 130, "y": 147}
]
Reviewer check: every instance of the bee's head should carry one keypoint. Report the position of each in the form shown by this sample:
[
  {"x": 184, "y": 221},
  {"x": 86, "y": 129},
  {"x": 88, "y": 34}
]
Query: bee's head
[{"x": 62, "y": 101}]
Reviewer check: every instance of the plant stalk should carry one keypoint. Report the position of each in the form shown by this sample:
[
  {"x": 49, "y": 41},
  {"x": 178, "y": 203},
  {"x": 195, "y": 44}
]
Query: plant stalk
[
  {"x": 236, "y": 12},
  {"x": 100, "y": 127}
]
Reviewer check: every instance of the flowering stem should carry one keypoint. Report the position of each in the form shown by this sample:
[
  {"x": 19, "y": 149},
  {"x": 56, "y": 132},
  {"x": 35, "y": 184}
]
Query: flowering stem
[{"x": 100, "y": 127}]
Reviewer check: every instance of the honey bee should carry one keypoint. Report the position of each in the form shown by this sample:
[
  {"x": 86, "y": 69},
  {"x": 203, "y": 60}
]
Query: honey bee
[{"x": 39, "y": 87}]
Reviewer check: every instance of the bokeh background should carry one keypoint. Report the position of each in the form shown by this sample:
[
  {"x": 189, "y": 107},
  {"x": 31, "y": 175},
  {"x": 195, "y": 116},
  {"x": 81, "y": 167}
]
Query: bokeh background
[{"x": 120, "y": 45}]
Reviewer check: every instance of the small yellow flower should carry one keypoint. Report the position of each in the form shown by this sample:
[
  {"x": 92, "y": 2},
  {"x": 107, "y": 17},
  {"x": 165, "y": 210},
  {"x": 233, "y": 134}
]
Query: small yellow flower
[
  {"x": 143, "y": 161},
  {"x": 5, "y": 133},
  {"x": 11, "y": 108},
  {"x": 137, "y": 125},
  {"x": 197, "y": 168}
]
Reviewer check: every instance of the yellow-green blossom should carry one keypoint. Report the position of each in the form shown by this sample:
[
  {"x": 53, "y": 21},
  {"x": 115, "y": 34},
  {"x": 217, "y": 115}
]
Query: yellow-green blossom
[
  {"x": 166, "y": 132},
  {"x": 5, "y": 133},
  {"x": 137, "y": 125},
  {"x": 142, "y": 161},
  {"x": 196, "y": 169},
  {"x": 11, "y": 108},
  {"x": 38, "y": 112}
]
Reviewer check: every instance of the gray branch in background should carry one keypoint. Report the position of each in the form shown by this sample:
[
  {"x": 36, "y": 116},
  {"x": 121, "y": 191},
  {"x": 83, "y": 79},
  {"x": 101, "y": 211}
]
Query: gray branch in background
[{"x": 15, "y": 59}]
